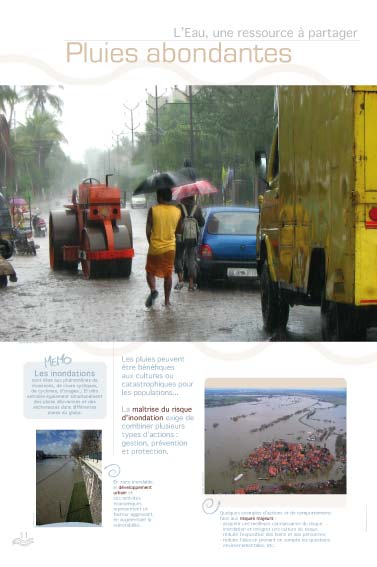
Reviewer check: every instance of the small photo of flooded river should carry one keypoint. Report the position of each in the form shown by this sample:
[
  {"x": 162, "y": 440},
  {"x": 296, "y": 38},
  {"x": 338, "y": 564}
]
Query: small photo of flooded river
[
  {"x": 275, "y": 441},
  {"x": 68, "y": 476}
]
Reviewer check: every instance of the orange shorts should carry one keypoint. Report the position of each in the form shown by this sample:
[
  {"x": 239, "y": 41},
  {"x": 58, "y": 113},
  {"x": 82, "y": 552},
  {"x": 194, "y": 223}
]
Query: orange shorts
[{"x": 161, "y": 265}]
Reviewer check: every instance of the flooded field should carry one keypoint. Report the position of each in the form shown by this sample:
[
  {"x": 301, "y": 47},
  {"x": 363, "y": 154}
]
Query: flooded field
[
  {"x": 55, "y": 479},
  {"x": 234, "y": 430}
]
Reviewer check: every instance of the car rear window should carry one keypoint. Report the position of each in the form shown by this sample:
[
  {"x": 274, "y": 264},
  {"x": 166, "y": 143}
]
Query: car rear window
[{"x": 224, "y": 222}]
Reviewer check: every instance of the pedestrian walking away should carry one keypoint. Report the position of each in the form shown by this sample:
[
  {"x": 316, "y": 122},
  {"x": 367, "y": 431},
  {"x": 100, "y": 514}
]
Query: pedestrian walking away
[
  {"x": 192, "y": 220},
  {"x": 163, "y": 221}
]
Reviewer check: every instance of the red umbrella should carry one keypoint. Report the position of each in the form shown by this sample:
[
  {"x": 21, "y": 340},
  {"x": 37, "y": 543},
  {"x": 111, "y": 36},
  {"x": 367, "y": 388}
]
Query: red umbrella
[
  {"x": 17, "y": 201},
  {"x": 200, "y": 187}
]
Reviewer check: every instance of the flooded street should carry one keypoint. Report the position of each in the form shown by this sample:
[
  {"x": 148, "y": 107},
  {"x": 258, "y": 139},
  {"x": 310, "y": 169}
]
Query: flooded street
[
  {"x": 55, "y": 479},
  {"x": 61, "y": 306},
  {"x": 234, "y": 431}
]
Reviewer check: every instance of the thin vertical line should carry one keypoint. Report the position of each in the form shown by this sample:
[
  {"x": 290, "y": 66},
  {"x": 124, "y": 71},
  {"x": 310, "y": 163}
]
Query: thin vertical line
[{"x": 113, "y": 398}]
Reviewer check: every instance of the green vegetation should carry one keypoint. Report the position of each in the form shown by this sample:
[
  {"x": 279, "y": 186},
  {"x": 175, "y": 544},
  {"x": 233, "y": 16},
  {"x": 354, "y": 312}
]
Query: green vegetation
[
  {"x": 90, "y": 445},
  {"x": 39, "y": 97},
  {"x": 337, "y": 400},
  {"x": 237, "y": 417},
  {"x": 32, "y": 161},
  {"x": 228, "y": 125},
  {"x": 217, "y": 401},
  {"x": 272, "y": 423},
  {"x": 341, "y": 446},
  {"x": 214, "y": 398},
  {"x": 79, "y": 509},
  {"x": 218, "y": 128}
]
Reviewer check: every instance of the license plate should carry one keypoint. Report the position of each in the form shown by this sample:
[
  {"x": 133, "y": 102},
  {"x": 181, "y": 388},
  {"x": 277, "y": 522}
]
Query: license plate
[{"x": 242, "y": 273}]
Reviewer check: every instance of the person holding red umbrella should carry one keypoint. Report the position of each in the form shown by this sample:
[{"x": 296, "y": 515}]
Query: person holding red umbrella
[{"x": 186, "y": 248}]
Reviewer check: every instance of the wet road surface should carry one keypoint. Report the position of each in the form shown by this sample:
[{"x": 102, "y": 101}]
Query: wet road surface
[{"x": 59, "y": 306}]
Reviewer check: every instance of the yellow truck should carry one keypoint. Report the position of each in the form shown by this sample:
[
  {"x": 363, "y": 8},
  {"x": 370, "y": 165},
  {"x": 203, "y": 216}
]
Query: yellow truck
[{"x": 317, "y": 234}]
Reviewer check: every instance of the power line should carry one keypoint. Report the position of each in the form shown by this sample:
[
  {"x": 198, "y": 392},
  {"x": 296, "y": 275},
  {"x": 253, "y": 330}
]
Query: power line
[
  {"x": 156, "y": 109},
  {"x": 132, "y": 127}
]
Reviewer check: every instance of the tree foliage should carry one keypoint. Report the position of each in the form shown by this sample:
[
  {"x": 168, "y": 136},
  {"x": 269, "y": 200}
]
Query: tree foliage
[
  {"x": 39, "y": 98},
  {"x": 32, "y": 161},
  {"x": 8, "y": 100},
  {"x": 32, "y": 145},
  {"x": 229, "y": 124},
  {"x": 90, "y": 444}
]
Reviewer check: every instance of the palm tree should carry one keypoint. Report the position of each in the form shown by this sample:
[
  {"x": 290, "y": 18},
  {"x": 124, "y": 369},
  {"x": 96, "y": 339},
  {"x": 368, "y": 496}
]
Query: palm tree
[
  {"x": 34, "y": 142},
  {"x": 8, "y": 99},
  {"x": 39, "y": 97},
  {"x": 41, "y": 131}
]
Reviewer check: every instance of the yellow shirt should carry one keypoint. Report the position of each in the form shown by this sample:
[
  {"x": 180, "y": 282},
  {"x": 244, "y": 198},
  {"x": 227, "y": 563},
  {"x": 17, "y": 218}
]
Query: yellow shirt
[{"x": 165, "y": 219}]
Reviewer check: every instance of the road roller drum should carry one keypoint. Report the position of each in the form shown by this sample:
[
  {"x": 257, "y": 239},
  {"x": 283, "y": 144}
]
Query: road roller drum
[
  {"x": 63, "y": 231},
  {"x": 93, "y": 230}
]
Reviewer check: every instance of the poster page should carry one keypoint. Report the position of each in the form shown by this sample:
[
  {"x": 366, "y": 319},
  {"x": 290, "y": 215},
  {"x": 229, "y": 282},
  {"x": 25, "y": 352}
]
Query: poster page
[{"x": 188, "y": 283}]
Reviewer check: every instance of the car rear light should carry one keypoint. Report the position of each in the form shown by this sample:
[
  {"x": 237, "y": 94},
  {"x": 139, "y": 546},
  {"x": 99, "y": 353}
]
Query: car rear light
[
  {"x": 373, "y": 214},
  {"x": 205, "y": 251}
]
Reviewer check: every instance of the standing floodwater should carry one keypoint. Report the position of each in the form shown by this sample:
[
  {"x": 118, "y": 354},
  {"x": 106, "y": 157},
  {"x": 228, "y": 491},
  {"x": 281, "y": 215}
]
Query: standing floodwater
[
  {"x": 55, "y": 480},
  {"x": 275, "y": 441}
]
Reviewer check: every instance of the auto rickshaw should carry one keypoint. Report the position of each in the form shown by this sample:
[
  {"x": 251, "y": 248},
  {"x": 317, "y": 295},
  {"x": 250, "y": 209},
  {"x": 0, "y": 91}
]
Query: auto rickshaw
[
  {"x": 22, "y": 232},
  {"x": 6, "y": 245}
]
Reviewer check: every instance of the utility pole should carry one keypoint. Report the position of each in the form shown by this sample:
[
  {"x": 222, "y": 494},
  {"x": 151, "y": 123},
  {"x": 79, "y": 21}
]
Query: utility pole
[
  {"x": 191, "y": 125},
  {"x": 5, "y": 172},
  {"x": 108, "y": 152},
  {"x": 4, "y": 143},
  {"x": 117, "y": 136},
  {"x": 15, "y": 139},
  {"x": 132, "y": 127},
  {"x": 189, "y": 96},
  {"x": 156, "y": 109}
]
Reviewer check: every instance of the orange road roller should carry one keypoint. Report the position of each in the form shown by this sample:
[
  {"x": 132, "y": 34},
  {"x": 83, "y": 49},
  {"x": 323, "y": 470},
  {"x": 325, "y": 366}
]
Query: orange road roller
[{"x": 93, "y": 230}]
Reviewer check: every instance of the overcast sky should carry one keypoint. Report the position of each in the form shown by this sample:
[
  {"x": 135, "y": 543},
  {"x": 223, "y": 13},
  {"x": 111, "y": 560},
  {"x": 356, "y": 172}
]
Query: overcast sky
[{"x": 92, "y": 116}]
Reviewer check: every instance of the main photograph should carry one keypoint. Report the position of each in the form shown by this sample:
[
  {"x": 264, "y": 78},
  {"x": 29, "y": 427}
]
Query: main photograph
[{"x": 188, "y": 213}]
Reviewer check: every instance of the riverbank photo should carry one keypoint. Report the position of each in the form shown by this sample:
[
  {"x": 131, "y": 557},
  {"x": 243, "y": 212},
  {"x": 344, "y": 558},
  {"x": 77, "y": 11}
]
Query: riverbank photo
[
  {"x": 68, "y": 477},
  {"x": 275, "y": 440}
]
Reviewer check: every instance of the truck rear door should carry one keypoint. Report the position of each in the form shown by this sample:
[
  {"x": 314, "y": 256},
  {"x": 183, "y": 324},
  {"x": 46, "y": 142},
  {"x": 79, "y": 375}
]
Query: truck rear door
[{"x": 366, "y": 195}]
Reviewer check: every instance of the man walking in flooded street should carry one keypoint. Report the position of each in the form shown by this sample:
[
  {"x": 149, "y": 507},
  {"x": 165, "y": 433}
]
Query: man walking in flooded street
[
  {"x": 186, "y": 247},
  {"x": 162, "y": 224}
]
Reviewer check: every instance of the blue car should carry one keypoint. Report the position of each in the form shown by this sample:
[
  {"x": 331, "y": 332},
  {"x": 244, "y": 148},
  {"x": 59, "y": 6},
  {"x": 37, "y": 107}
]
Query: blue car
[{"x": 227, "y": 244}]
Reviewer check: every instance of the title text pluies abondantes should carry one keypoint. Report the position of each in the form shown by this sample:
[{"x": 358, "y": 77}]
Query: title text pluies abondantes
[{"x": 84, "y": 52}]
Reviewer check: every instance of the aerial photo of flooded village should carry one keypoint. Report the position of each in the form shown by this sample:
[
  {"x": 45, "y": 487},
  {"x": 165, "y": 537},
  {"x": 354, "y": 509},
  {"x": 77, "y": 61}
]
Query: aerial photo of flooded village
[
  {"x": 68, "y": 477},
  {"x": 275, "y": 440}
]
